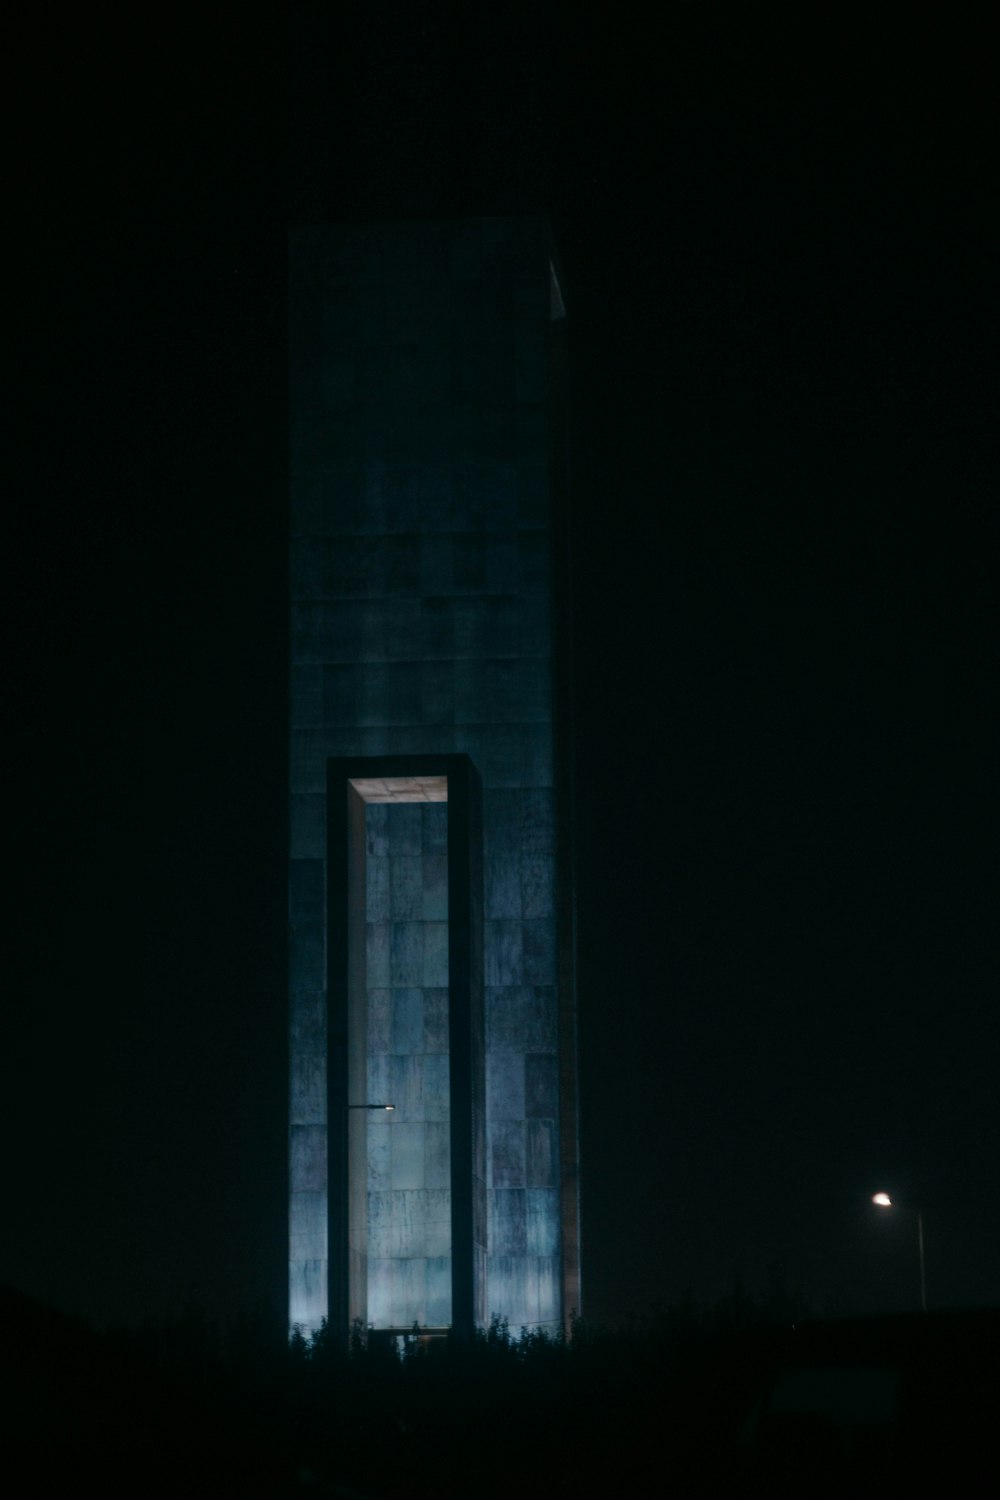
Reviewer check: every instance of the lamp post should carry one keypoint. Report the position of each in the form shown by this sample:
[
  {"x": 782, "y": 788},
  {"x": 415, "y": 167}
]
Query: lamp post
[{"x": 882, "y": 1200}]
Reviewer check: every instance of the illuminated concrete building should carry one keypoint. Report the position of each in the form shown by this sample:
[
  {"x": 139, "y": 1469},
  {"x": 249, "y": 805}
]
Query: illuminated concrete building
[{"x": 431, "y": 911}]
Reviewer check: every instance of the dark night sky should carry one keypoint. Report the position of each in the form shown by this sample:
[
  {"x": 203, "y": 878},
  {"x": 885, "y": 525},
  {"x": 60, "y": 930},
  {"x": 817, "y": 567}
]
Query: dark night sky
[{"x": 780, "y": 279}]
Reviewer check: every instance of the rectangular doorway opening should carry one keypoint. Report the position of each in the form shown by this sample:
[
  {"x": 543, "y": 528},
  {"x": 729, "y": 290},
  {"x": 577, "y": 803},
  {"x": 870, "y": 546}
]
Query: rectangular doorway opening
[
  {"x": 406, "y": 1045},
  {"x": 406, "y": 1158}
]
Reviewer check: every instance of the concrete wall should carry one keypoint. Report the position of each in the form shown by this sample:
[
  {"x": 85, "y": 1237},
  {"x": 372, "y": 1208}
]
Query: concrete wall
[
  {"x": 409, "y": 1157},
  {"x": 422, "y": 624}
]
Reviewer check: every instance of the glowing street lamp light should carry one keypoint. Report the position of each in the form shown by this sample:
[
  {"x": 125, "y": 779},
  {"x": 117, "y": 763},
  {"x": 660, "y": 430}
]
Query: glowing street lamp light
[
  {"x": 882, "y": 1200},
  {"x": 369, "y": 1106}
]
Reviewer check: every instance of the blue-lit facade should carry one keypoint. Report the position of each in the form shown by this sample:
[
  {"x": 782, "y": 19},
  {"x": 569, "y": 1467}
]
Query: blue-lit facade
[{"x": 431, "y": 912}]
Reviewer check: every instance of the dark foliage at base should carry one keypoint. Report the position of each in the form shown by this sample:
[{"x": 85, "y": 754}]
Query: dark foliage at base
[{"x": 682, "y": 1401}]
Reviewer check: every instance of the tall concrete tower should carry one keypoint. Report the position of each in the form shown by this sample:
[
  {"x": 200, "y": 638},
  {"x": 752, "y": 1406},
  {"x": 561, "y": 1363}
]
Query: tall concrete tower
[{"x": 430, "y": 878}]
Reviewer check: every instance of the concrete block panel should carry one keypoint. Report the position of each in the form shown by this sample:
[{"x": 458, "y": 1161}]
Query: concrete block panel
[
  {"x": 377, "y": 830},
  {"x": 538, "y": 826},
  {"x": 436, "y": 1086},
  {"x": 538, "y": 762},
  {"x": 520, "y": 1018},
  {"x": 409, "y": 1222},
  {"x": 506, "y": 1154},
  {"x": 466, "y": 692},
  {"x": 501, "y": 564},
  {"x": 468, "y": 557},
  {"x": 409, "y": 740},
  {"x": 438, "y": 507},
  {"x": 406, "y": 829},
  {"x": 542, "y": 1160},
  {"x": 403, "y": 681},
  {"x": 542, "y": 1206},
  {"x": 532, "y": 700},
  {"x": 488, "y": 627},
  {"x": 434, "y": 969},
  {"x": 307, "y": 1089},
  {"x": 437, "y": 1154},
  {"x": 487, "y": 495},
  {"x": 436, "y": 562},
  {"x": 307, "y": 761},
  {"x": 539, "y": 950},
  {"x": 373, "y": 696},
  {"x": 308, "y": 1227},
  {"x": 306, "y": 893},
  {"x": 402, "y": 621},
  {"x": 435, "y": 1020},
  {"x": 501, "y": 821},
  {"x": 307, "y": 826},
  {"x": 534, "y": 569},
  {"x": 380, "y": 1020},
  {"x": 406, "y": 888},
  {"x": 532, "y": 496},
  {"x": 407, "y": 1021},
  {"x": 535, "y": 624},
  {"x": 378, "y": 906},
  {"x": 437, "y": 692},
  {"x": 406, "y": 1088},
  {"x": 341, "y": 696},
  {"x": 541, "y": 1086},
  {"x": 307, "y": 1158},
  {"x": 438, "y": 1272},
  {"x": 503, "y": 884},
  {"x": 381, "y": 1225},
  {"x": 307, "y": 1021},
  {"x": 508, "y": 1221},
  {"x": 406, "y": 1154},
  {"x": 381, "y": 1081},
  {"x": 537, "y": 873},
  {"x": 379, "y": 966},
  {"x": 505, "y": 1086},
  {"x": 501, "y": 695},
  {"x": 379, "y": 1153},
  {"x": 437, "y": 1221},
  {"x": 306, "y": 954},
  {"x": 434, "y": 881},
  {"x": 306, "y": 696},
  {"x": 436, "y": 629},
  {"x": 407, "y": 954},
  {"x": 504, "y": 952}
]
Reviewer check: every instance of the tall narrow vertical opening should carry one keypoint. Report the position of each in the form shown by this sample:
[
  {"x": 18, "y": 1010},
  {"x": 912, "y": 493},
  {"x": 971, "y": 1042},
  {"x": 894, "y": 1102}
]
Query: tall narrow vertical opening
[{"x": 408, "y": 1240}]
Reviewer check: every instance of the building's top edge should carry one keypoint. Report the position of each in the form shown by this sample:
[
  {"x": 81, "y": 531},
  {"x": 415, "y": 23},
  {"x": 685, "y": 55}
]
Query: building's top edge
[
  {"x": 436, "y": 220},
  {"x": 514, "y": 245}
]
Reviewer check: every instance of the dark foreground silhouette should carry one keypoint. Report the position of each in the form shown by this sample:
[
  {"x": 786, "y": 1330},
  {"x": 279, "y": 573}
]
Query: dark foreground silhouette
[{"x": 732, "y": 1400}]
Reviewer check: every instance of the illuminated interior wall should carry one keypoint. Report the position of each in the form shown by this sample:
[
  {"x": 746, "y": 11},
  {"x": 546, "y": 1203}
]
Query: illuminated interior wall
[
  {"x": 422, "y": 623},
  {"x": 409, "y": 1157}
]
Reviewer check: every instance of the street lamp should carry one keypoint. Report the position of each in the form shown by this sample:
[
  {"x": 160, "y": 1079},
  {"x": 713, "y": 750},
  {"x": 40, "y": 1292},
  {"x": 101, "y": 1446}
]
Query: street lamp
[
  {"x": 369, "y": 1106},
  {"x": 882, "y": 1200}
]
